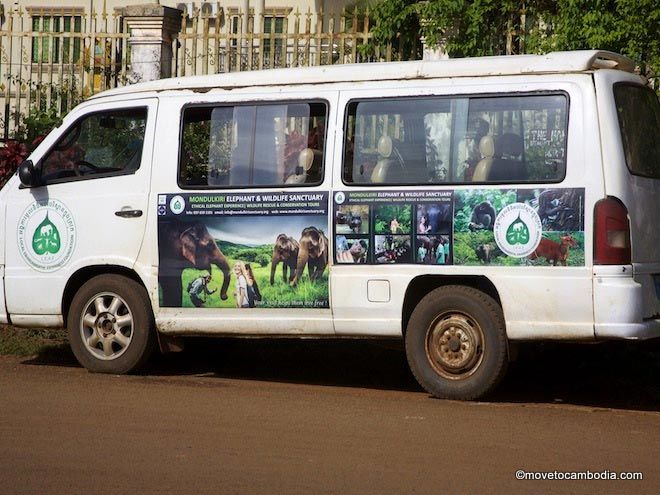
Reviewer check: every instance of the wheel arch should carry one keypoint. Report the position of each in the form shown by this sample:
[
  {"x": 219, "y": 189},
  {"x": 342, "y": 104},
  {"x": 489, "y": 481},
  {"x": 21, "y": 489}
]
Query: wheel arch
[
  {"x": 86, "y": 273},
  {"x": 423, "y": 284}
]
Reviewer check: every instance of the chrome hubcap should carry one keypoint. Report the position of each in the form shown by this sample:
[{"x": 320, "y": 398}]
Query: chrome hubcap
[
  {"x": 106, "y": 326},
  {"x": 454, "y": 345}
]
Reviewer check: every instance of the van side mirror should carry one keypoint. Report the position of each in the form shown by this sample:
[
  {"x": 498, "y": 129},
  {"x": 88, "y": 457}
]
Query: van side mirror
[{"x": 28, "y": 174}]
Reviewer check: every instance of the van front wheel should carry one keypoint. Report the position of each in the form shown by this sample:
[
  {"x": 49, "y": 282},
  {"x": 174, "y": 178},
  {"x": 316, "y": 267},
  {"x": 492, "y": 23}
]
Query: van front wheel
[
  {"x": 111, "y": 326},
  {"x": 456, "y": 343}
]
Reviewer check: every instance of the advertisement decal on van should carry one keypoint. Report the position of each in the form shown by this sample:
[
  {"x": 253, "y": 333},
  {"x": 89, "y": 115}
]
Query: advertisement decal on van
[
  {"x": 223, "y": 250},
  {"x": 518, "y": 227}
]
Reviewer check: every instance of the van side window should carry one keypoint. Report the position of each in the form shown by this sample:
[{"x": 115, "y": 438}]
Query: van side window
[
  {"x": 444, "y": 140},
  {"x": 100, "y": 144},
  {"x": 252, "y": 145}
]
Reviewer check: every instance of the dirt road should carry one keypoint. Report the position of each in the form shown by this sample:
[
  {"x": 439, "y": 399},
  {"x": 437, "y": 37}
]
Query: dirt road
[{"x": 254, "y": 417}]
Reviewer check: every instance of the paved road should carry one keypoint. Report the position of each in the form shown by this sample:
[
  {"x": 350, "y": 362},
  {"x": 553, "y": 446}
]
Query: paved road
[{"x": 263, "y": 417}]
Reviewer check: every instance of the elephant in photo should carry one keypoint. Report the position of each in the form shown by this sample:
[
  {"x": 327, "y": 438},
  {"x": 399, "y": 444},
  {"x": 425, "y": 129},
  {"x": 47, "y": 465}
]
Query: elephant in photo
[
  {"x": 186, "y": 245},
  {"x": 313, "y": 253},
  {"x": 285, "y": 250}
]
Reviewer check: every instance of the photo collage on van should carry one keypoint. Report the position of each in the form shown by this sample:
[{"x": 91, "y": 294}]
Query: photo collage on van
[{"x": 510, "y": 227}]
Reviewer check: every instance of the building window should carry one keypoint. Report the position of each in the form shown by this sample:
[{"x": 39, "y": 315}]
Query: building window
[
  {"x": 52, "y": 46},
  {"x": 273, "y": 25}
]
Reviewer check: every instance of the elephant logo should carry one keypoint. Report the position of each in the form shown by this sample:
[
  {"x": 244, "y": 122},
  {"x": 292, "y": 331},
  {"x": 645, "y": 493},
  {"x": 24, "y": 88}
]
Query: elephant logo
[
  {"x": 517, "y": 230},
  {"x": 46, "y": 238},
  {"x": 517, "y": 233},
  {"x": 53, "y": 235}
]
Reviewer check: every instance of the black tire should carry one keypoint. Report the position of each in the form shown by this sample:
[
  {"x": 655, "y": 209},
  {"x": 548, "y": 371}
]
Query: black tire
[
  {"x": 456, "y": 343},
  {"x": 110, "y": 344}
]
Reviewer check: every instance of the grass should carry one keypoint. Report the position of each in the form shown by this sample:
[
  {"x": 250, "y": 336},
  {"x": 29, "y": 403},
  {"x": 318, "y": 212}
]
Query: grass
[{"x": 30, "y": 341}]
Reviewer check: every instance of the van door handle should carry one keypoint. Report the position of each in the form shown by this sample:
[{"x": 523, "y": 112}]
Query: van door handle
[{"x": 129, "y": 213}]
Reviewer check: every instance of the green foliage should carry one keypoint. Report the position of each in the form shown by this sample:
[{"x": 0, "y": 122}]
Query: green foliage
[
  {"x": 394, "y": 22},
  {"x": 195, "y": 152},
  {"x": 37, "y": 124},
  {"x": 466, "y": 28},
  {"x": 629, "y": 27},
  {"x": 203, "y": 152},
  {"x": 386, "y": 213},
  {"x": 49, "y": 102},
  {"x": 467, "y": 199},
  {"x": 263, "y": 259}
]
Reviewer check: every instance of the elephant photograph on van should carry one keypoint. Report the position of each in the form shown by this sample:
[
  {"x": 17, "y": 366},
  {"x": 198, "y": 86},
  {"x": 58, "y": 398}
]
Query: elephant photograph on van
[
  {"x": 285, "y": 251},
  {"x": 187, "y": 245},
  {"x": 313, "y": 253}
]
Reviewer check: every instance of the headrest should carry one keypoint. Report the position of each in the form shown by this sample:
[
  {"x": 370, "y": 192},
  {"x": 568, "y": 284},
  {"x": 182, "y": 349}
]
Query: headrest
[
  {"x": 385, "y": 146},
  {"x": 509, "y": 144},
  {"x": 305, "y": 159},
  {"x": 487, "y": 146}
]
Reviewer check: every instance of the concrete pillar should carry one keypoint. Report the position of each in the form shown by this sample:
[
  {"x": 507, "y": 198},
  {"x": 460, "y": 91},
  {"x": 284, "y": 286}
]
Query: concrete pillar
[
  {"x": 258, "y": 11},
  {"x": 433, "y": 53},
  {"x": 152, "y": 27}
]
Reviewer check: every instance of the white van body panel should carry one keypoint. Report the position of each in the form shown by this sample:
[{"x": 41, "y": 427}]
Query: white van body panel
[{"x": 92, "y": 204}]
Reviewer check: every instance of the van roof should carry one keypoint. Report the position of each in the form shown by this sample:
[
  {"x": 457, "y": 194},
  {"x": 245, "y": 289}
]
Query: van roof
[{"x": 555, "y": 62}]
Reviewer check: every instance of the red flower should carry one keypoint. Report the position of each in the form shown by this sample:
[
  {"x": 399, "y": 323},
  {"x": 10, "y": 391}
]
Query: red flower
[{"x": 11, "y": 156}]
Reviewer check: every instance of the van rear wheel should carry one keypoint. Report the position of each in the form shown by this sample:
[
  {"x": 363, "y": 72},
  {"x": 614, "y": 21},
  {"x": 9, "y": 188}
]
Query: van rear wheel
[
  {"x": 111, "y": 326},
  {"x": 456, "y": 343}
]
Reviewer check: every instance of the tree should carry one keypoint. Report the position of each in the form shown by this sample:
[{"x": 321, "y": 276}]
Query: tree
[
  {"x": 629, "y": 27},
  {"x": 468, "y": 28}
]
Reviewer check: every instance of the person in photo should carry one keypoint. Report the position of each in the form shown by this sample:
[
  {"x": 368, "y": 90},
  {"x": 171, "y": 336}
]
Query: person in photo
[
  {"x": 440, "y": 257},
  {"x": 423, "y": 227},
  {"x": 198, "y": 289},
  {"x": 253, "y": 293},
  {"x": 241, "y": 293}
]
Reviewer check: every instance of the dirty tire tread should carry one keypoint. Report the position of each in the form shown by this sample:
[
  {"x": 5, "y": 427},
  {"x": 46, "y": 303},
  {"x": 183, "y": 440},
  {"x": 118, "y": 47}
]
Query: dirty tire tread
[
  {"x": 495, "y": 362},
  {"x": 144, "y": 332}
]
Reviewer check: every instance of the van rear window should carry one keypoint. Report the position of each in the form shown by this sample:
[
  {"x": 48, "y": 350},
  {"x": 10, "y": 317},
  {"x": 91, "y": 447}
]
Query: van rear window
[
  {"x": 518, "y": 138},
  {"x": 639, "y": 120}
]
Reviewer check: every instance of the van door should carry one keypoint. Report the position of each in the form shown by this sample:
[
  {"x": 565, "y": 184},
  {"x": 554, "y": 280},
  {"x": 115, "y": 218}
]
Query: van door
[
  {"x": 90, "y": 209},
  {"x": 629, "y": 114},
  {"x": 240, "y": 232}
]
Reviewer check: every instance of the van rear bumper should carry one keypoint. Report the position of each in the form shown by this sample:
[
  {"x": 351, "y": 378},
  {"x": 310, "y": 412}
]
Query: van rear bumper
[{"x": 619, "y": 306}]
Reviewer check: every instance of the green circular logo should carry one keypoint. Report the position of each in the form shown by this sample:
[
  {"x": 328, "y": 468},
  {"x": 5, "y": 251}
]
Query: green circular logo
[
  {"x": 517, "y": 230},
  {"x": 46, "y": 235}
]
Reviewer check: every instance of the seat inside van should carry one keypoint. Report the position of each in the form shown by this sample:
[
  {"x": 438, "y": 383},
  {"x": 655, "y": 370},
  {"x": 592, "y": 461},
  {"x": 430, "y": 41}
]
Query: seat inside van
[{"x": 501, "y": 159}]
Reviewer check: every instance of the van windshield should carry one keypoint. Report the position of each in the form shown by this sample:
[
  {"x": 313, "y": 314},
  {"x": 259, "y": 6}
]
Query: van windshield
[{"x": 639, "y": 120}]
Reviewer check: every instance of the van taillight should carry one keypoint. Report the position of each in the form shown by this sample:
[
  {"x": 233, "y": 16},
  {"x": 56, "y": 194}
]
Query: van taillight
[{"x": 611, "y": 233}]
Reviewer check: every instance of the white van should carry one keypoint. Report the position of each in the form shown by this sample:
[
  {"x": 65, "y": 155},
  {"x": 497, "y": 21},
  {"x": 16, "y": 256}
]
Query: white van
[{"x": 459, "y": 205}]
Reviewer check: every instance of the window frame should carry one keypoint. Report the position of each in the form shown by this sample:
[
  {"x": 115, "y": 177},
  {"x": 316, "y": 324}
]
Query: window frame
[
  {"x": 468, "y": 96},
  {"x": 59, "y": 51},
  {"x": 213, "y": 105},
  {"x": 618, "y": 122},
  {"x": 103, "y": 175}
]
